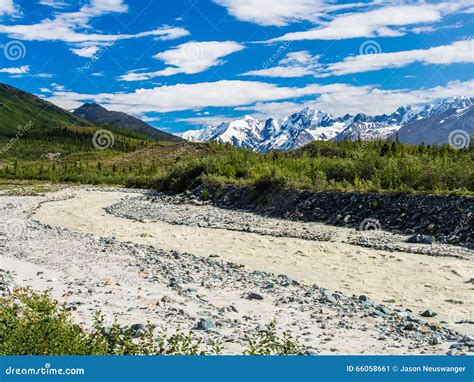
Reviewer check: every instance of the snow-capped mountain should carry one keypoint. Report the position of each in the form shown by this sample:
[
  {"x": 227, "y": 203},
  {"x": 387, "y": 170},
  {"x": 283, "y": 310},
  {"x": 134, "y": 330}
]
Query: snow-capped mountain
[
  {"x": 414, "y": 123},
  {"x": 435, "y": 123}
]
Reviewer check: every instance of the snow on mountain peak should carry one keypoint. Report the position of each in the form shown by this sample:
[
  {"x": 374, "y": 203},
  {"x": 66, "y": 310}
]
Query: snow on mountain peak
[{"x": 312, "y": 124}]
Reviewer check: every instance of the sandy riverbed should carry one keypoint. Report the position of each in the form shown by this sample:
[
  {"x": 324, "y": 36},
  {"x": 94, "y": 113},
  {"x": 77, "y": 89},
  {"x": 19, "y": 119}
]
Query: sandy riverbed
[{"x": 403, "y": 279}]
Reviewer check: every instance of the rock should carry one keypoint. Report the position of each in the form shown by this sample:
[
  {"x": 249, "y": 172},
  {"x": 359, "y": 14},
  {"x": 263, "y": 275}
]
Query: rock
[
  {"x": 383, "y": 309},
  {"x": 312, "y": 351},
  {"x": 428, "y": 313},
  {"x": 327, "y": 296},
  {"x": 421, "y": 239},
  {"x": 435, "y": 341},
  {"x": 365, "y": 300},
  {"x": 410, "y": 326},
  {"x": 254, "y": 296},
  {"x": 138, "y": 330},
  {"x": 205, "y": 324}
]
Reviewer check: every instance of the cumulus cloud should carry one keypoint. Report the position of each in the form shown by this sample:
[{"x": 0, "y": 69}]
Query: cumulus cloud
[
  {"x": 86, "y": 52},
  {"x": 265, "y": 110},
  {"x": 371, "y": 100},
  {"x": 279, "y": 13},
  {"x": 68, "y": 26},
  {"x": 383, "y": 22},
  {"x": 458, "y": 52},
  {"x": 188, "y": 58},
  {"x": 24, "y": 69},
  {"x": 53, "y": 3},
  {"x": 7, "y": 7},
  {"x": 188, "y": 96},
  {"x": 214, "y": 120},
  {"x": 337, "y": 98},
  {"x": 294, "y": 64}
]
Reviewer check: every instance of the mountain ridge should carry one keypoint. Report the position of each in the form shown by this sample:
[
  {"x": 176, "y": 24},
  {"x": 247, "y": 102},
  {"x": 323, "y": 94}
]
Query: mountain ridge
[
  {"x": 98, "y": 114},
  {"x": 414, "y": 123}
]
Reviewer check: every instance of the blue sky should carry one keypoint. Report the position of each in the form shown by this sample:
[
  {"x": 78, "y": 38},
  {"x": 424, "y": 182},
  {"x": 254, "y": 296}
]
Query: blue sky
[{"x": 179, "y": 64}]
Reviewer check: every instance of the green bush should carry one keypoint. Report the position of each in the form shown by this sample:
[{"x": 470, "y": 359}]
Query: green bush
[
  {"x": 320, "y": 166},
  {"x": 35, "y": 324}
]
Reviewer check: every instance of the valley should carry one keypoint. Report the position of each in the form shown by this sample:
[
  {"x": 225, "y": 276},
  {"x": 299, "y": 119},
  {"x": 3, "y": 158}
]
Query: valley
[
  {"x": 223, "y": 237},
  {"x": 333, "y": 294}
]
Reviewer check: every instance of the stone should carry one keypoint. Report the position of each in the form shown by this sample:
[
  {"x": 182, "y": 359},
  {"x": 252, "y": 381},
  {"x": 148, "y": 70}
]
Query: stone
[
  {"x": 205, "y": 324},
  {"x": 138, "y": 330},
  {"x": 410, "y": 326},
  {"x": 254, "y": 296},
  {"x": 327, "y": 296},
  {"x": 421, "y": 239},
  {"x": 383, "y": 309},
  {"x": 365, "y": 300},
  {"x": 428, "y": 313}
]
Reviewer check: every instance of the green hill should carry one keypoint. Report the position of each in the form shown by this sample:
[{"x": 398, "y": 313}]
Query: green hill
[
  {"x": 31, "y": 128},
  {"x": 19, "y": 108}
]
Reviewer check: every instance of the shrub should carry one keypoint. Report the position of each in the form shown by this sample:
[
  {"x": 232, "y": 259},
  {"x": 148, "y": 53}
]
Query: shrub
[
  {"x": 269, "y": 182},
  {"x": 269, "y": 343},
  {"x": 35, "y": 324}
]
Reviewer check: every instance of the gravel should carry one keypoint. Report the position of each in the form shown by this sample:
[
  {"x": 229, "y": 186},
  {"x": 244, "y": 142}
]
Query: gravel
[{"x": 223, "y": 301}]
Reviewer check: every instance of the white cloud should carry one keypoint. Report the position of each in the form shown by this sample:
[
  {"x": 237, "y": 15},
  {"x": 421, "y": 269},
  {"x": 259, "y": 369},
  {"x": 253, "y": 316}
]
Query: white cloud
[
  {"x": 458, "y": 52},
  {"x": 295, "y": 64},
  {"x": 57, "y": 87},
  {"x": 214, "y": 120},
  {"x": 24, "y": 69},
  {"x": 338, "y": 98},
  {"x": 188, "y": 96},
  {"x": 370, "y": 100},
  {"x": 265, "y": 110},
  {"x": 7, "y": 7},
  {"x": 53, "y": 3},
  {"x": 69, "y": 26},
  {"x": 86, "y": 52},
  {"x": 45, "y": 90},
  {"x": 379, "y": 22},
  {"x": 279, "y": 13},
  {"x": 188, "y": 58}
]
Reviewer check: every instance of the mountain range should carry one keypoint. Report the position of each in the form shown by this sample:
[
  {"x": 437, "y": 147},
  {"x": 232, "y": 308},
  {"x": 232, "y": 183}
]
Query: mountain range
[{"x": 430, "y": 123}]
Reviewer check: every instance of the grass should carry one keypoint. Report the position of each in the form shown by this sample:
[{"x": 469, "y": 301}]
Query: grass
[
  {"x": 380, "y": 166},
  {"x": 36, "y": 324}
]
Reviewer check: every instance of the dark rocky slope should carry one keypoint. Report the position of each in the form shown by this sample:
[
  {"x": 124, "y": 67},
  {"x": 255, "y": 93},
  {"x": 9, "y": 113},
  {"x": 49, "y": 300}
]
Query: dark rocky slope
[{"x": 446, "y": 219}]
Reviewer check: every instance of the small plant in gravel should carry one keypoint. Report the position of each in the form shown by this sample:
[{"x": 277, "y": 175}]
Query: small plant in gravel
[
  {"x": 268, "y": 342},
  {"x": 35, "y": 324}
]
